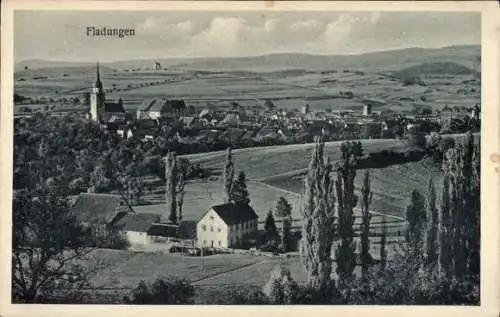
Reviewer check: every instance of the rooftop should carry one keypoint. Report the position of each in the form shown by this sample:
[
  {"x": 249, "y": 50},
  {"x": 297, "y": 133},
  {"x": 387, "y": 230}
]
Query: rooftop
[
  {"x": 136, "y": 222},
  {"x": 234, "y": 213},
  {"x": 98, "y": 208}
]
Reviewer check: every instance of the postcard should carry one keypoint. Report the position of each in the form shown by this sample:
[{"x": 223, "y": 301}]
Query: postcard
[{"x": 249, "y": 157}]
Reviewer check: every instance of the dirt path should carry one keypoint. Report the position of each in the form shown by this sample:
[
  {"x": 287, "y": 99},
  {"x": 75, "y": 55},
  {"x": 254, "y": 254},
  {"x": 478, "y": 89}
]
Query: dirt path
[{"x": 216, "y": 275}]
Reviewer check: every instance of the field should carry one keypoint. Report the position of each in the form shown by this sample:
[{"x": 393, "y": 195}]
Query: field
[
  {"x": 289, "y": 90},
  {"x": 125, "y": 269},
  {"x": 271, "y": 172},
  {"x": 264, "y": 162},
  {"x": 274, "y": 172}
]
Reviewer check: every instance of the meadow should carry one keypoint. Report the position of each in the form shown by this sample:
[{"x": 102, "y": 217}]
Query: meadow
[{"x": 263, "y": 162}]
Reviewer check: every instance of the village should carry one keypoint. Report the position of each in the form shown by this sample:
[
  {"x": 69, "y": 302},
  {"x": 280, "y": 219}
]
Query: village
[{"x": 233, "y": 225}]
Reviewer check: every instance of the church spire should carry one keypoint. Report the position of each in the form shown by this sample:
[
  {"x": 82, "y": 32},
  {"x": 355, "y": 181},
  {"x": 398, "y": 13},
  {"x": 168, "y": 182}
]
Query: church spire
[
  {"x": 98, "y": 83},
  {"x": 98, "y": 76}
]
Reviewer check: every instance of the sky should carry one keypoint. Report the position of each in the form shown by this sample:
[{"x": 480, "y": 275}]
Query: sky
[{"x": 61, "y": 35}]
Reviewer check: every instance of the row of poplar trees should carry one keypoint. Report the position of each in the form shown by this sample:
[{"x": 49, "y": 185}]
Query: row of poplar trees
[{"x": 445, "y": 237}]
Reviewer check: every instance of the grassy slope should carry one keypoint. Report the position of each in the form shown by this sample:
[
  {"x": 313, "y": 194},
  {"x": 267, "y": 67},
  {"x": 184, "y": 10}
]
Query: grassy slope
[{"x": 263, "y": 162}]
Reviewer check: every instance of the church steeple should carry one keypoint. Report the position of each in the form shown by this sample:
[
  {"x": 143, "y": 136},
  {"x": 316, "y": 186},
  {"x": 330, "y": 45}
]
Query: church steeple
[
  {"x": 97, "y": 97},
  {"x": 98, "y": 83}
]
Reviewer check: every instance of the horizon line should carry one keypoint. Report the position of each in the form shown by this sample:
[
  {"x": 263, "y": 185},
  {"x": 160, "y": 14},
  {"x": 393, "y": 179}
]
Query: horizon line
[{"x": 247, "y": 56}]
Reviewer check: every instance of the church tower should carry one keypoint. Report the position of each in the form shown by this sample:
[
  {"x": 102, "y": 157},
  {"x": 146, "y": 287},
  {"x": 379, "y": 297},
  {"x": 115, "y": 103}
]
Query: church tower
[{"x": 97, "y": 98}]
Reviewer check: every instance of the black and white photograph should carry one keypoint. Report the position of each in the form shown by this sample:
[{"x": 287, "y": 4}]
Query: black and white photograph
[{"x": 246, "y": 157}]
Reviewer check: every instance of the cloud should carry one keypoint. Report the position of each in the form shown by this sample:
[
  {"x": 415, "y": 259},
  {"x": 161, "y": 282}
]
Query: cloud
[
  {"x": 155, "y": 25},
  {"x": 229, "y": 33}
]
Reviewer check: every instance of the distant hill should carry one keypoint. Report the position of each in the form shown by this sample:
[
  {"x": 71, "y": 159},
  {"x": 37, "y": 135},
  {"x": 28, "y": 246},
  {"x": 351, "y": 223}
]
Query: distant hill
[
  {"x": 437, "y": 68},
  {"x": 78, "y": 70},
  {"x": 379, "y": 61},
  {"x": 394, "y": 60}
]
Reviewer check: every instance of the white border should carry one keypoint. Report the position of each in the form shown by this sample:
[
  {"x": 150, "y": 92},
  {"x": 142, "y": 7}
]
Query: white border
[{"x": 490, "y": 221}]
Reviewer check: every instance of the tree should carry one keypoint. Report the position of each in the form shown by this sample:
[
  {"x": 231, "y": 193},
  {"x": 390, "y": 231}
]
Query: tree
[
  {"x": 170, "y": 190},
  {"x": 228, "y": 174},
  {"x": 346, "y": 201},
  {"x": 318, "y": 217},
  {"x": 180, "y": 197},
  {"x": 284, "y": 211},
  {"x": 416, "y": 219},
  {"x": 366, "y": 199},
  {"x": 270, "y": 227},
  {"x": 281, "y": 288},
  {"x": 47, "y": 243},
  {"x": 239, "y": 192},
  {"x": 269, "y": 105},
  {"x": 383, "y": 243},
  {"x": 461, "y": 219},
  {"x": 163, "y": 291},
  {"x": 431, "y": 233},
  {"x": 445, "y": 232}
]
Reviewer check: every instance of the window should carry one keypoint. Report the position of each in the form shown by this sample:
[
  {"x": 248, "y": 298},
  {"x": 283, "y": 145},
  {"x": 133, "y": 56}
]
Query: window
[
  {"x": 204, "y": 242},
  {"x": 212, "y": 228},
  {"x": 203, "y": 227},
  {"x": 211, "y": 217},
  {"x": 219, "y": 229},
  {"x": 220, "y": 243}
]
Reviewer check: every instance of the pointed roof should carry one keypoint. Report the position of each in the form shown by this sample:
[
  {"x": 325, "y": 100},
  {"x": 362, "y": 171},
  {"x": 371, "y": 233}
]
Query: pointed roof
[{"x": 98, "y": 83}]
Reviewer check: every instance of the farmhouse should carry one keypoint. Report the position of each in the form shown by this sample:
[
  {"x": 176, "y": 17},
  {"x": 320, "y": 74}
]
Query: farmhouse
[
  {"x": 161, "y": 108},
  {"x": 100, "y": 109},
  {"x": 99, "y": 211},
  {"x": 136, "y": 226},
  {"x": 226, "y": 226},
  {"x": 142, "y": 129}
]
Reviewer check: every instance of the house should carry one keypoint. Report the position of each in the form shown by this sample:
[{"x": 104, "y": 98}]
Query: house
[
  {"x": 209, "y": 136},
  {"x": 142, "y": 129},
  {"x": 232, "y": 135},
  {"x": 161, "y": 108},
  {"x": 135, "y": 227},
  {"x": 230, "y": 120},
  {"x": 369, "y": 130},
  {"x": 99, "y": 211},
  {"x": 188, "y": 122},
  {"x": 226, "y": 225}
]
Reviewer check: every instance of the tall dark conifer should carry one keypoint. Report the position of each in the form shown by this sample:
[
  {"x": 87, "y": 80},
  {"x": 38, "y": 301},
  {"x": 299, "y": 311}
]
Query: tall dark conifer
[
  {"x": 431, "y": 233},
  {"x": 228, "y": 175},
  {"x": 318, "y": 216},
  {"x": 170, "y": 187},
  {"x": 367, "y": 196},
  {"x": 345, "y": 253}
]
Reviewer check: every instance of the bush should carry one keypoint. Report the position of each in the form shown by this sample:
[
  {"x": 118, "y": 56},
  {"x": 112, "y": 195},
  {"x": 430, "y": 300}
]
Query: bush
[
  {"x": 163, "y": 291},
  {"x": 271, "y": 246}
]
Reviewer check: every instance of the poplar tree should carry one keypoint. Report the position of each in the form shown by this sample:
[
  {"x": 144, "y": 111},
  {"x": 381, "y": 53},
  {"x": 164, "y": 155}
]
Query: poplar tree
[
  {"x": 174, "y": 189},
  {"x": 461, "y": 193},
  {"x": 445, "y": 232},
  {"x": 416, "y": 220},
  {"x": 284, "y": 210},
  {"x": 366, "y": 200},
  {"x": 228, "y": 175},
  {"x": 170, "y": 187},
  {"x": 318, "y": 217},
  {"x": 383, "y": 243},
  {"x": 345, "y": 253},
  {"x": 431, "y": 234}
]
